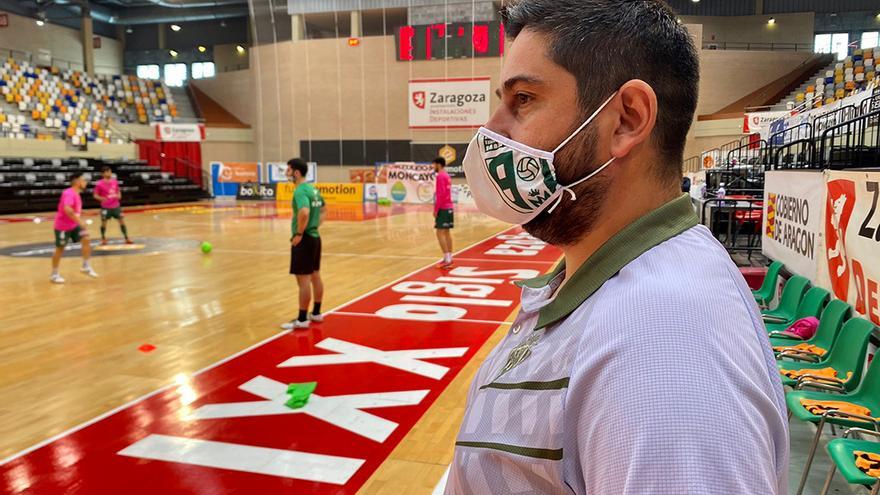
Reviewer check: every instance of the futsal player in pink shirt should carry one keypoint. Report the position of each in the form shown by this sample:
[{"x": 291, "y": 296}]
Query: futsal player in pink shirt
[
  {"x": 69, "y": 227},
  {"x": 108, "y": 194},
  {"x": 443, "y": 211}
]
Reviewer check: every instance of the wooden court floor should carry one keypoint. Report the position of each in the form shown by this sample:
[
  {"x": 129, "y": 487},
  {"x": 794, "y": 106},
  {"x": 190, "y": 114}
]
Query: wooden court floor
[{"x": 69, "y": 353}]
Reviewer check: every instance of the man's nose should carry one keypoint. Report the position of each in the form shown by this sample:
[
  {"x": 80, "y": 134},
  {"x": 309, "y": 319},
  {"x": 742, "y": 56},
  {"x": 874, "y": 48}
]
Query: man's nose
[{"x": 501, "y": 121}]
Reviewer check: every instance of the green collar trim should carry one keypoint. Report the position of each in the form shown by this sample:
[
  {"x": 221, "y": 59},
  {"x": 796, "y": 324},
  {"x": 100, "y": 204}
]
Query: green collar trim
[{"x": 660, "y": 225}]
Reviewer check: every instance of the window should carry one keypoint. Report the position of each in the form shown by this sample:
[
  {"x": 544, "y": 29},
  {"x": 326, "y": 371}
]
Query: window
[
  {"x": 840, "y": 45},
  {"x": 175, "y": 74},
  {"x": 148, "y": 71},
  {"x": 202, "y": 70},
  {"x": 823, "y": 43},
  {"x": 870, "y": 39}
]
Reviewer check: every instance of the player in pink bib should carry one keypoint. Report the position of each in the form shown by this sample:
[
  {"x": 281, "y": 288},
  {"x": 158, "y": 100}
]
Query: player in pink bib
[
  {"x": 443, "y": 212},
  {"x": 69, "y": 227},
  {"x": 107, "y": 192}
]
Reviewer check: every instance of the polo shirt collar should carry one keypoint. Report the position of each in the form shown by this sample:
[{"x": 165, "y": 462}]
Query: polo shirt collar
[{"x": 659, "y": 225}]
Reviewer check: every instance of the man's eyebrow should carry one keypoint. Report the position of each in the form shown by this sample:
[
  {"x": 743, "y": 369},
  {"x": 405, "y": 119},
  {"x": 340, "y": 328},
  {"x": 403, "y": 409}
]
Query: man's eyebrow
[{"x": 521, "y": 78}]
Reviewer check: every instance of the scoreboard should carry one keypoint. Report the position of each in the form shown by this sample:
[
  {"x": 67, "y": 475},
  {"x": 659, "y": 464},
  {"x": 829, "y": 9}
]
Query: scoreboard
[{"x": 453, "y": 40}]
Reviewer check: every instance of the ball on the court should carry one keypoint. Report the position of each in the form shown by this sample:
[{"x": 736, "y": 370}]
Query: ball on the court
[
  {"x": 207, "y": 247},
  {"x": 89, "y": 221},
  {"x": 38, "y": 220}
]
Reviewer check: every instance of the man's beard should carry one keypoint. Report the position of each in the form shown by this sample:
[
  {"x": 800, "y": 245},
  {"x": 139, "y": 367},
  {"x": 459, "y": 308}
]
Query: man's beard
[{"x": 571, "y": 221}]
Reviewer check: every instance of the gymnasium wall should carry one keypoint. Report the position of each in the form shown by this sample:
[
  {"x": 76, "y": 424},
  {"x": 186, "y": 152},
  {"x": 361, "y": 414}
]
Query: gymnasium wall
[
  {"x": 64, "y": 44},
  {"x": 789, "y": 28},
  {"x": 344, "y": 90},
  {"x": 32, "y": 148}
]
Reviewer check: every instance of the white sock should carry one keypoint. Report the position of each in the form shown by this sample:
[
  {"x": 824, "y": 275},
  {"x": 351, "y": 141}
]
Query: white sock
[
  {"x": 86, "y": 265},
  {"x": 447, "y": 257},
  {"x": 54, "y": 272}
]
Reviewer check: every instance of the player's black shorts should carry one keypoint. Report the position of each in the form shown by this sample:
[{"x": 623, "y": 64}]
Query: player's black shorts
[{"x": 305, "y": 257}]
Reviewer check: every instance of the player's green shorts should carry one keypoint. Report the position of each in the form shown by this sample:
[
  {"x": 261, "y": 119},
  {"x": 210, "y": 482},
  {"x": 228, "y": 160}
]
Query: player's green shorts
[
  {"x": 108, "y": 213},
  {"x": 63, "y": 237},
  {"x": 445, "y": 219}
]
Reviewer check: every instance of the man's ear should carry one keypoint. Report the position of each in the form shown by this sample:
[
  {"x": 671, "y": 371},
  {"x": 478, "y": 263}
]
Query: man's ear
[{"x": 636, "y": 106}]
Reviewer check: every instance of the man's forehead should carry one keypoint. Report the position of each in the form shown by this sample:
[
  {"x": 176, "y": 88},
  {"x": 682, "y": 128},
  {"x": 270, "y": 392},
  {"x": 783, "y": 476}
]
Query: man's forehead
[{"x": 527, "y": 61}]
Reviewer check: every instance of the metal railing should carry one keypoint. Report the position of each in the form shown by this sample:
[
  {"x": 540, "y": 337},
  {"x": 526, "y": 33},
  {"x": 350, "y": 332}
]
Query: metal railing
[
  {"x": 851, "y": 144},
  {"x": 735, "y": 221},
  {"x": 751, "y": 46}
]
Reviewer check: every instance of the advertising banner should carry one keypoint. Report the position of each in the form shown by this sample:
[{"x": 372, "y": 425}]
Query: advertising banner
[
  {"x": 256, "y": 192},
  {"x": 448, "y": 103},
  {"x": 277, "y": 172},
  {"x": 181, "y": 133},
  {"x": 711, "y": 159},
  {"x": 759, "y": 121},
  {"x": 362, "y": 175},
  {"x": 850, "y": 264},
  {"x": 411, "y": 183},
  {"x": 452, "y": 153},
  {"x": 238, "y": 172},
  {"x": 333, "y": 193},
  {"x": 792, "y": 230}
]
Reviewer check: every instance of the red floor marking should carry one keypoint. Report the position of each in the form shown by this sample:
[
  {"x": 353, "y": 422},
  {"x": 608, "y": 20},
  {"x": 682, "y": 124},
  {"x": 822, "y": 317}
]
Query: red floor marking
[{"x": 253, "y": 453}]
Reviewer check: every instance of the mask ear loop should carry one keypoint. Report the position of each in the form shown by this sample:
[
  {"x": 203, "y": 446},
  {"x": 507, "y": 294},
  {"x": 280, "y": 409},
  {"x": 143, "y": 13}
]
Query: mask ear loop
[
  {"x": 568, "y": 189},
  {"x": 586, "y": 122}
]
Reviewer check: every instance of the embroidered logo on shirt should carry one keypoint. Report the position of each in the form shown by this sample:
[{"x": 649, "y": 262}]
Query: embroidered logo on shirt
[{"x": 521, "y": 352}]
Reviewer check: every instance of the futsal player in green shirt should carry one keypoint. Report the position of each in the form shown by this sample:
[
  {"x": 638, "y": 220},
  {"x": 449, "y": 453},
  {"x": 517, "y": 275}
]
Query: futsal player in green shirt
[{"x": 305, "y": 245}]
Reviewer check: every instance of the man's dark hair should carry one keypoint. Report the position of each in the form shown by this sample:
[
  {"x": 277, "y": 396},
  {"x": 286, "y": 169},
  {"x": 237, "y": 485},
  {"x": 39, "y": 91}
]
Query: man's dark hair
[
  {"x": 605, "y": 43},
  {"x": 440, "y": 161},
  {"x": 106, "y": 168},
  {"x": 75, "y": 175},
  {"x": 299, "y": 164}
]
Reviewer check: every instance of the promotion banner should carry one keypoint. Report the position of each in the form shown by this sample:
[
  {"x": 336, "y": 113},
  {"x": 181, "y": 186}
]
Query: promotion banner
[
  {"x": 448, "y": 103},
  {"x": 334, "y": 193},
  {"x": 850, "y": 265},
  {"x": 362, "y": 175},
  {"x": 411, "y": 183},
  {"x": 181, "y": 133},
  {"x": 256, "y": 192},
  {"x": 792, "y": 233}
]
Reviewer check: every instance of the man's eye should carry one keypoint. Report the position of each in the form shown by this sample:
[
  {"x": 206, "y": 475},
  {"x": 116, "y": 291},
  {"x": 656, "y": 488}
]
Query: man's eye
[{"x": 522, "y": 98}]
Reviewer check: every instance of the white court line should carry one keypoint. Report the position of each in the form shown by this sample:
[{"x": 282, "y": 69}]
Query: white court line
[
  {"x": 462, "y": 320},
  {"x": 350, "y": 255},
  {"x": 218, "y": 363}
]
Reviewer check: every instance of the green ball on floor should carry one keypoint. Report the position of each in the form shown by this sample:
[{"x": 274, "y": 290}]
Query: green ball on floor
[
  {"x": 385, "y": 202},
  {"x": 207, "y": 247}
]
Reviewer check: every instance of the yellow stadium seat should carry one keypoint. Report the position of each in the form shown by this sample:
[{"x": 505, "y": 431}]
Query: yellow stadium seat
[
  {"x": 799, "y": 98},
  {"x": 869, "y": 77},
  {"x": 840, "y": 93},
  {"x": 2, "y": 118},
  {"x": 44, "y": 115},
  {"x": 829, "y": 101},
  {"x": 838, "y": 79},
  {"x": 10, "y": 98}
]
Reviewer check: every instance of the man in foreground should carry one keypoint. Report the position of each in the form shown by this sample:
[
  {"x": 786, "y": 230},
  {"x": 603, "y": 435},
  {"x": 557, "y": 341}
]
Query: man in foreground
[
  {"x": 69, "y": 227},
  {"x": 444, "y": 212},
  {"x": 107, "y": 193},
  {"x": 640, "y": 365},
  {"x": 305, "y": 245}
]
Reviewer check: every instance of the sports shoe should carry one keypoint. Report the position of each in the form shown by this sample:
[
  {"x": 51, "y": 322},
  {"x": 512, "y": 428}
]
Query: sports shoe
[
  {"x": 317, "y": 318},
  {"x": 103, "y": 242},
  {"x": 56, "y": 279},
  {"x": 129, "y": 241},
  {"x": 89, "y": 271},
  {"x": 444, "y": 265},
  {"x": 295, "y": 324}
]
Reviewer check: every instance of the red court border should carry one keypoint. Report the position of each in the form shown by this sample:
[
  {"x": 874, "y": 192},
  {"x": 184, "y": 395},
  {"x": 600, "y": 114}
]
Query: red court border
[{"x": 85, "y": 457}]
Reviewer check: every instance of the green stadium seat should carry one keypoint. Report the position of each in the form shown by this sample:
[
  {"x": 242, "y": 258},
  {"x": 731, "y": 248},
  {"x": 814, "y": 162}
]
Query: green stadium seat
[
  {"x": 833, "y": 317},
  {"x": 792, "y": 293},
  {"x": 812, "y": 304},
  {"x": 767, "y": 293}
]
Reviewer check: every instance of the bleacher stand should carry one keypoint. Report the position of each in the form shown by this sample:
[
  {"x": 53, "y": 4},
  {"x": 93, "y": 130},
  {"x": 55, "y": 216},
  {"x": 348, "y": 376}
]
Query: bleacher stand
[
  {"x": 838, "y": 81},
  {"x": 28, "y": 184},
  {"x": 44, "y": 102}
]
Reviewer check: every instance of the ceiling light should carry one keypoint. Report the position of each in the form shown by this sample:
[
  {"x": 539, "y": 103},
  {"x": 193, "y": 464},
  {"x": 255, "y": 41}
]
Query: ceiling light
[
  {"x": 223, "y": 24},
  {"x": 878, "y": 17},
  {"x": 772, "y": 21},
  {"x": 202, "y": 49},
  {"x": 173, "y": 53},
  {"x": 41, "y": 22},
  {"x": 175, "y": 27},
  {"x": 129, "y": 30},
  {"x": 239, "y": 49},
  {"x": 695, "y": 1}
]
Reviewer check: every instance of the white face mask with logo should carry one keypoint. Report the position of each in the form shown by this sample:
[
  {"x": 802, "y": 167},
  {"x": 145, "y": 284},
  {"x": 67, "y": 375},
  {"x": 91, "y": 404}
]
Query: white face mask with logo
[{"x": 514, "y": 182}]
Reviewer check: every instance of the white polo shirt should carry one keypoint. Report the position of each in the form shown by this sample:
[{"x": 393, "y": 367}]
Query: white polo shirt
[{"x": 649, "y": 372}]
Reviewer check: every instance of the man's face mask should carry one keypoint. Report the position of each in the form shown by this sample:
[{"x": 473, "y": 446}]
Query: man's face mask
[{"x": 514, "y": 182}]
